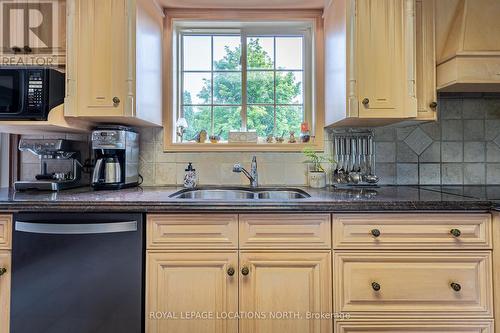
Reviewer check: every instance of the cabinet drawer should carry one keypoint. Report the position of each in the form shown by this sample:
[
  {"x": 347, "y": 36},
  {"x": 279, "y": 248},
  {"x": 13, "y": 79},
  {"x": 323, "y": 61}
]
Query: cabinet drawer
[
  {"x": 192, "y": 231},
  {"x": 279, "y": 231},
  {"x": 416, "y": 326},
  {"x": 5, "y": 231},
  {"x": 412, "y": 231},
  {"x": 414, "y": 283}
]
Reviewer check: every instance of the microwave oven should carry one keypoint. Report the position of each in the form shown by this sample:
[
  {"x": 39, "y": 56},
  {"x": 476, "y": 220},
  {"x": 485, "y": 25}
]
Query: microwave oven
[{"x": 29, "y": 93}]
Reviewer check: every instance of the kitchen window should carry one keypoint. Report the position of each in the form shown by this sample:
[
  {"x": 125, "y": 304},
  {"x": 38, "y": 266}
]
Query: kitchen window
[{"x": 242, "y": 77}]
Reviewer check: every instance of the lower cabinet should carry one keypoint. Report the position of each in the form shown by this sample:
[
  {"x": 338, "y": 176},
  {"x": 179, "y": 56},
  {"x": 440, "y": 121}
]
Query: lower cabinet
[
  {"x": 285, "y": 290},
  {"x": 188, "y": 291},
  {"x": 418, "y": 326},
  {"x": 5, "y": 259}
]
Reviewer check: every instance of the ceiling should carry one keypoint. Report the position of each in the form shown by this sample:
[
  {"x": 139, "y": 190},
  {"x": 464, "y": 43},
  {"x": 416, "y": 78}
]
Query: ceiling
[{"x": 244, "y": 4}]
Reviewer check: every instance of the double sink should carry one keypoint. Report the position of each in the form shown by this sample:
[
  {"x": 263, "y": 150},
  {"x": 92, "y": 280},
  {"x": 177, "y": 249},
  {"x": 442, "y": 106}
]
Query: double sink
[{"x": 240, "y": 193}]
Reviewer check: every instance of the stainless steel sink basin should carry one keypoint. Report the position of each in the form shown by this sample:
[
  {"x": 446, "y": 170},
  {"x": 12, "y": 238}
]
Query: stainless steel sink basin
[{"x": 240, "y": 193}]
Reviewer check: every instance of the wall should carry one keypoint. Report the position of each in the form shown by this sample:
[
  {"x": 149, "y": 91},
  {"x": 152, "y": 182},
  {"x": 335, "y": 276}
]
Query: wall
[{"x": 463, "y": 147}]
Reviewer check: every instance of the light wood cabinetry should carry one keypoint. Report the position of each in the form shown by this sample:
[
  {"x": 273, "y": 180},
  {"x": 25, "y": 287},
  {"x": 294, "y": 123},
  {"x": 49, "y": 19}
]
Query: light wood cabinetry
[
  {"x": 292, "y": 231},
  {"x": 192, "y": 284},
  {"x": 115, "y": 61},
  {"x": 414, "y": 284},
  {"x": 5, "y": 271},
  {"x": 416, "y": 326},
  {"x": 412, "y": 231},
  {"x": 5, "y": 232},
  {"x": 370, "y": 62},
  {"x": 289, "y": 285},
  {"x": 192, "y": 231}
]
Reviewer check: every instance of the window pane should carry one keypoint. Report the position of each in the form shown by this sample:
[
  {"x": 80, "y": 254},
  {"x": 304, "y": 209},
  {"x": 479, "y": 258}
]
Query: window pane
[
  {"x": 197, "y": 88},
  {"x": 289, "y": 88},
  {"x": 261, "y": 119},
  {"x": 227, "y": 53},
  {"x": 260, "y": 87},
  {"x": 226, "y": 118},
  {"x": 198, "y": 118},
  {"x": 260, "y": 52},
  {"x": 289, "y": 118},
  {"x": 193, "y": 47},
  {"x": 289, "y": 53},
  {"x": 227, "y": 88}
]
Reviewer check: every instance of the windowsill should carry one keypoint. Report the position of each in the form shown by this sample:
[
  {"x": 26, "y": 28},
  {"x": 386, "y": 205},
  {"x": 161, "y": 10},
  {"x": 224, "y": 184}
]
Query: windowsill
[{"x": 240, "y": 147}]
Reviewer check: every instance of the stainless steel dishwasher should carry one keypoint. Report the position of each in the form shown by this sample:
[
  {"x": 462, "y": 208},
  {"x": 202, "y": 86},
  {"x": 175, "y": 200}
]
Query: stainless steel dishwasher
[{"x": 79, "y": 273}]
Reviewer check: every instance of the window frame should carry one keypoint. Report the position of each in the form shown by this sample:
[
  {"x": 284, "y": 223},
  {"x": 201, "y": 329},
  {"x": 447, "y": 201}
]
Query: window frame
[{"x": 313, "y": 93}]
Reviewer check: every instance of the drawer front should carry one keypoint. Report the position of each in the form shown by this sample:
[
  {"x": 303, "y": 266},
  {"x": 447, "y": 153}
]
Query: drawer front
[
  {"x": 5, "y": 232},
  {"x": 416, "y": 284},
  {"x": 412, "y": 231},
  {"x": 280, "y": 231},
  {"x": 192, "y": 231},
  {"x": 416, "y": 326}
]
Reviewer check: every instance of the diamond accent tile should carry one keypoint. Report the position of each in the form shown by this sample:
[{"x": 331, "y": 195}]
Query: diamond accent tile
[
  {"x": 418, "y": 141},
  {"x": 497, "y": 140}
]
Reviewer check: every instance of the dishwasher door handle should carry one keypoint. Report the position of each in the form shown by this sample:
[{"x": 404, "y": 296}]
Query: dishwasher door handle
[{"x": 75, "y": 229}]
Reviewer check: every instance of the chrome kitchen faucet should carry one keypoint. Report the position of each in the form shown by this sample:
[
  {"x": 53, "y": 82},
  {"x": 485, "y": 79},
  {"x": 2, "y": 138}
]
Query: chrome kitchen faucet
[{"x": 253, "y": 175}]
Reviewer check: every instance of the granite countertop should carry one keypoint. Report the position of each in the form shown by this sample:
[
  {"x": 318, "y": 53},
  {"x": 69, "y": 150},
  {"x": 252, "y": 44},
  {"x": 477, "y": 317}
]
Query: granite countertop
[{"x": 156, "y": 199}]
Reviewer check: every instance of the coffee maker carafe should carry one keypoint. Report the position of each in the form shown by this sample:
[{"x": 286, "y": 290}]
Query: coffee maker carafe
[{"x": 116, "y": 152}]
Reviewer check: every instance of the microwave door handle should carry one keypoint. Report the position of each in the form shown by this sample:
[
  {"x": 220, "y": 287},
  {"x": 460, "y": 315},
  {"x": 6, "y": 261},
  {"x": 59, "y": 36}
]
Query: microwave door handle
[
  {"x": 97, "y": 171},
  {"x": 75, "y": 229}
]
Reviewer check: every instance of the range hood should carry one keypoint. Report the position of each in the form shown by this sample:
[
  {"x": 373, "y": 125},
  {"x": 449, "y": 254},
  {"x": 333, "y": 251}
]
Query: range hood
[{"x": 468, "y": 45}]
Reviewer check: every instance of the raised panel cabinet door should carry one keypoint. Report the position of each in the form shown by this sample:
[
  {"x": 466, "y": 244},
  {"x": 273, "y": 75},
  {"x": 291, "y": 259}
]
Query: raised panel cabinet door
[
  {"x": 415, "y": 326},
  {"x": 190, "y": 292},
  {"x": 5, "y": 274},
  {"x": 101, "y": 57},
  {"x": 385, "y": 62},
  {"x": 282, "y": 291},
  {"x": 5, "y": 232},
  {"x": 430, "y": 284},
  {"x": 426, "y": 60}
]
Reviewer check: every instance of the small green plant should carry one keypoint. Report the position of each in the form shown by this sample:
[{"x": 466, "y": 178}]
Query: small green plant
[{"x": 315, "y": 159}]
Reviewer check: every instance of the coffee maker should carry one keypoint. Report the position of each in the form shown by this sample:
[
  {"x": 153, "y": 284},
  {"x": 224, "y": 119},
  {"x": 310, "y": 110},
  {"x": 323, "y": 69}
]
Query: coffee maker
[
  {"x": 116, "y": 153},
  {"x": 60, "y": 164}
]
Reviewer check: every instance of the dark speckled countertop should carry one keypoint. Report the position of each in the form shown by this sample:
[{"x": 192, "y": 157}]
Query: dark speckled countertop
[{"x": 156, "y": 199}]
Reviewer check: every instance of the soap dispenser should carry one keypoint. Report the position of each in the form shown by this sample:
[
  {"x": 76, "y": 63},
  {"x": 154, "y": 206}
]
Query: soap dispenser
[{"x": 190, "y": 177}]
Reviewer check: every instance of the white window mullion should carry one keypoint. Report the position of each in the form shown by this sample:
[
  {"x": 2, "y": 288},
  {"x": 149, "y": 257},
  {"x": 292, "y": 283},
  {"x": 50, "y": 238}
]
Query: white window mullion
[{"x": 243, "y": 60}]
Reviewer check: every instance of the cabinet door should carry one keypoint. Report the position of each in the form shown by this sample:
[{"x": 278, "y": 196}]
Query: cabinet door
[
  {"x": 100, "y": 56},
  {"x": 4, "y": 291},
  {"x": 385, "y": 58},
  {"x": 426, "y": 60},
  {"x": 191, "y": 292},
  {"x": 281, "y": 289},
  {"x": 415, "y": 326}
]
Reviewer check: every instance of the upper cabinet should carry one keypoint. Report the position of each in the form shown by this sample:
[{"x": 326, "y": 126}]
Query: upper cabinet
[
  {"x": 114, "y": 64},
  {"x": 468, "y": 45},
  {"x": 370, "y": 60}
]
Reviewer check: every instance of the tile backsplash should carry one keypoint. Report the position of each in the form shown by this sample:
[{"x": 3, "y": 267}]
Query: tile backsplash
[{"x": 463, "y": 147}]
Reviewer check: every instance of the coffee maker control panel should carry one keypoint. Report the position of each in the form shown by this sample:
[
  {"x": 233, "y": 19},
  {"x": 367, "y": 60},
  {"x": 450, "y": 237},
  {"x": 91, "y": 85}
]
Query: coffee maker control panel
[{"x": 108, "y": 139}]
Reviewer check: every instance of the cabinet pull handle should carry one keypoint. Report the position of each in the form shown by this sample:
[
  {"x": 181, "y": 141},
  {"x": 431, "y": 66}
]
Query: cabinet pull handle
[
  {"x": 245, "y": 270},
  {"x": 366, "y": 101},
  {"x": 3, "y": 270},
  {"x": 230, "y": 271},
  {"x": 455, "y": 286},
  {"x": 375, "y": 286},
  {"x": 16, "y": 49},
  {"x": 455, "y": 232},
  {"x": 116, "y": 100},
  {"x": 433, "y": 105},
  {"x": 375, "y": 232}
]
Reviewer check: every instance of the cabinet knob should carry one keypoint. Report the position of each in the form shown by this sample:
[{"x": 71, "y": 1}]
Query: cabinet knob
[
  {"x": 245, "y": 270},
  {"x": 455, "y": 286},
  {"x": 433, "y": 105},
  {"x": 3, "y": 270},
  {"x": 16, "y": 49},
  {"x": 375, "y": 286},
  {"x": 375, "y": 232},
  {"x": 27, "y": 49},
  {"x": 116, "y": 100},
  {"x": 365, "y": 101},
  {"x": 230, "y": 271},
  {"x": 455, "y": 232}
]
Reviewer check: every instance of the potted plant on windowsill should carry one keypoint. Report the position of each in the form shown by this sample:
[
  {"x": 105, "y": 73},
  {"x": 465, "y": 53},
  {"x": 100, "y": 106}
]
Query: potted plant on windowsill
[{"x": 316, "y": 173}]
